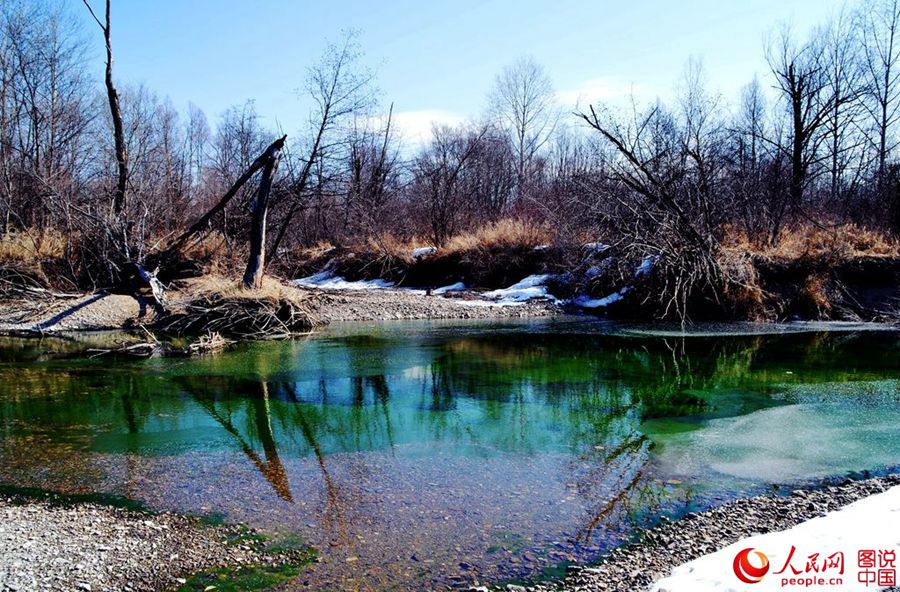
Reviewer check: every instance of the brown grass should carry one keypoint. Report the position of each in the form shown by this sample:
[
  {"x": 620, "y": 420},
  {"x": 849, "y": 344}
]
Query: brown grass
[
  {"x": 742, "y": 286},
  {"x": 32, "y": 247},
  {"x": 503, "y": 234},
  {"x": 215, "y": 285},
  {"x": 214, "y": 254},
  {"x": 839, "y": 243},
  {"x": 815, "y": 293},
  {"x": 500, "y": 235}
]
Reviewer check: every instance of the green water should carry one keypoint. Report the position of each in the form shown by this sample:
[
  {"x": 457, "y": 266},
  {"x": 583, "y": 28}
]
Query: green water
[{"x": 435, "y": 455}]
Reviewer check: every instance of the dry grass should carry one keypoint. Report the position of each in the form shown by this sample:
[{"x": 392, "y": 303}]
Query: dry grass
[
  {"x": 815, "y": 293},
  {"x": 32, "y": 247},
  {"x": 317, "y": 251},
  {"x": 214, "y": 254},
  {"x": 839, "y": 243},
  {"x": 504, "y": 234},
  {"x": 223, "y": 287},
  {"x": 389, "y": 245},
  {"x": 805, "y": 259}
]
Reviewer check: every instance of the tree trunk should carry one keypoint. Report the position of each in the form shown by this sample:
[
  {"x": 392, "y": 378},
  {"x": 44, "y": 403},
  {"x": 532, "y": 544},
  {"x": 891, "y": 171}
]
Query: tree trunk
[
  {"x": 256, "y": 263},
  {"x": 118, "y": 127},
  {"x": 261, "y": 160}
]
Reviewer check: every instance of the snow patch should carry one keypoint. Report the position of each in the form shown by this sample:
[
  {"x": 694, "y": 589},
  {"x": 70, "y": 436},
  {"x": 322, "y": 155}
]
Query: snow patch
[
  {"x": 870, "y": 523},
  {"x": 327, "y": 280},
  {"x": 457, "y": 287},
  {"x": 594, "y": 248},
  {"x": 491, "y": 303},
  {"x": 593, "y": 272},
  {"x": 529, "y": 288},
  {"x": 421, "y": 252},
  {"x": 588, "y": 302}
]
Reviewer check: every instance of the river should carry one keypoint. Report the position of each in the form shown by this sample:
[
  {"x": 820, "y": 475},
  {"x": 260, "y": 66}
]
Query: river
[{"x": 434, "y": 455}]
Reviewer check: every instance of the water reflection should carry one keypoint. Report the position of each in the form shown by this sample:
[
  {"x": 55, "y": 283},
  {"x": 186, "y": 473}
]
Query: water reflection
[{"x": 502, "y": 450}]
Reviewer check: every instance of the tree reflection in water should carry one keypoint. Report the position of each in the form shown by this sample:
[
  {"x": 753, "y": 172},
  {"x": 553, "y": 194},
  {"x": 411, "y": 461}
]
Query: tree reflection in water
[{"x": 548, "y": 437}]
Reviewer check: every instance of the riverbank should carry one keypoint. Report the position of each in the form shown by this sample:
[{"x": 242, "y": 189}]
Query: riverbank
[
  {"x": 672, "y": 544},
  {"x": 91, "y": 547},
  {"x": 103, "y": 311},
  {"x": 46, "y": 545}
]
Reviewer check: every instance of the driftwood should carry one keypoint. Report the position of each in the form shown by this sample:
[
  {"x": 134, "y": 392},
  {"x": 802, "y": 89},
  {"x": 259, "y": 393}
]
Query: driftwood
[
  {"x": 209, "y": 343},
  {"x": 245, "y": 318},
  {"x": 140, "y": 350},
  {"x": 156, "y": 286}
]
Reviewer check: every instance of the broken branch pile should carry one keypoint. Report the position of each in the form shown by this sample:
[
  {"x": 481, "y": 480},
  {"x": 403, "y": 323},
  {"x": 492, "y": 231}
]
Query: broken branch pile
[{"x": 263, "y": 317}]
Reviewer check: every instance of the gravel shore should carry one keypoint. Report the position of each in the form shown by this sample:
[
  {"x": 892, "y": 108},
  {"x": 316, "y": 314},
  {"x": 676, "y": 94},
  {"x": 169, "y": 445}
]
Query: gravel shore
[
  {"x": 97, "y": 548},
  {"x": 390, "y": 305},
  {"x": 636, "y": 567},
  {"x": 93, "y": 312},
  {"x": 89, "y": 547}
]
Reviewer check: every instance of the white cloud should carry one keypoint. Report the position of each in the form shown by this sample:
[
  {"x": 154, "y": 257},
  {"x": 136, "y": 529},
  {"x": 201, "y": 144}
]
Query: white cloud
[
  {"x": 605, "y": 89},
  {"x": 414, "y": 127}
]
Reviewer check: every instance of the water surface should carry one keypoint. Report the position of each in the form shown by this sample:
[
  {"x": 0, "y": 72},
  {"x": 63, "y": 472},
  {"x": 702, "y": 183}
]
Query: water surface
[{"x": 436, "y": 455}]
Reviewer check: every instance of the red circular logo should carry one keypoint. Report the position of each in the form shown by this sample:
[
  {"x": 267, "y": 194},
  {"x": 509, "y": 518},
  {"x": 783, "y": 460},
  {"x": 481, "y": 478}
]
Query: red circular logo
[{"x": 746, "y": 571}]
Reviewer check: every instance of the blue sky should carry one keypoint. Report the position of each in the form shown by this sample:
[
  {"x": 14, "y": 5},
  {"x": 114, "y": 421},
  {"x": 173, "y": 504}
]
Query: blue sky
[{"x": 438, "y": 58}]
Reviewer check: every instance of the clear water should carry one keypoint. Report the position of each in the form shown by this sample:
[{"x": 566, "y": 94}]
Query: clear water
[{"x": 436, "y": 455}]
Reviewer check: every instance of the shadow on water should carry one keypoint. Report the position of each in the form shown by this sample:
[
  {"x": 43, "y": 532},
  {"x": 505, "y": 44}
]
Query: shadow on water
[{"x": 504, "y": 452}]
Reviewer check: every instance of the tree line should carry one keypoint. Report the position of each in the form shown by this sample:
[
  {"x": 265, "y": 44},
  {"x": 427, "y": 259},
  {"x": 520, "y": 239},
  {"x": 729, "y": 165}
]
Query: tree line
[{"x": 812, "y": 142}]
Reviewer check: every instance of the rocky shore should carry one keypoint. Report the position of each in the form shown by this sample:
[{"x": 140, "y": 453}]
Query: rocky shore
[
  {"x": 95, "y": 548},
  {"x": 84, "y": 546},
  {"x": 94, "y": 312},
  {"x": 638, "y": 566},
  {"x": 390, "y": 305}
]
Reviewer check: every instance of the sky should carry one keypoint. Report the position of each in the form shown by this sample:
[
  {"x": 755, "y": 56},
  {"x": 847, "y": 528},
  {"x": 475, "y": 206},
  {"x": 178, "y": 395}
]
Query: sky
[{"x": 437, "y": 59}]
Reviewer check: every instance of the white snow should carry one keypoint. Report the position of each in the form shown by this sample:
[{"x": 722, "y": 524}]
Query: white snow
[
  {"x": 646, "y": 266},
  {"x": 593, "y": 272},
  {"x": 423, "y": 252},
  {"x": 588, "y": 302},
  {"x": 490, "y": 303},
  {"x": 327, "y": 280},
  {"x": 524, "y": 290},
  {"x": 540, "y": 247},
  {"x": 595, "y": 247},
  {"x": 872, "y": 523},
  {"x": 457, "y": 287}
]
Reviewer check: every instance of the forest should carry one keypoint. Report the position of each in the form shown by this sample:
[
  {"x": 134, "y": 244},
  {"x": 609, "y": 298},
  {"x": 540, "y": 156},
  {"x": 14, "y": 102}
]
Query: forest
[{"x": 104, "y": 184}]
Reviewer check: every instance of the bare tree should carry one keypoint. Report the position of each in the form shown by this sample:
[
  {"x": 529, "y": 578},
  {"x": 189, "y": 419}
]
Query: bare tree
[
  {"x": 340, "y": 87},
  {"x": 440, "y": 178},
  {"x": 844, "y": 78},
  {"x": 750, "y": 160},
  {"x": 372, "y": 170},
  {"x": 523, "y": 103},
  {"x": 879, "y": 24},
  {"x": 801, "y": 77}
]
